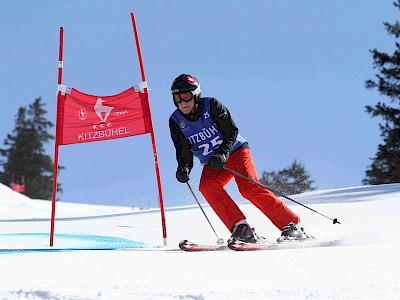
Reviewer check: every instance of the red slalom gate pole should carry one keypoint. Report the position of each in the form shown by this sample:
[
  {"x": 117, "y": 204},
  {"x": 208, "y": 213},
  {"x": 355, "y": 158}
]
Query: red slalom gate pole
[
  {"x": 55, "y": 168},
  {"x": 153, "y": 140}
]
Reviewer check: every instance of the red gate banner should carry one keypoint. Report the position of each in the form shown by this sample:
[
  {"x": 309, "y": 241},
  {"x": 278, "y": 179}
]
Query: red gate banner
[
  {"x": 18, "y": 187},
  {"x": 87, "y": 118}
]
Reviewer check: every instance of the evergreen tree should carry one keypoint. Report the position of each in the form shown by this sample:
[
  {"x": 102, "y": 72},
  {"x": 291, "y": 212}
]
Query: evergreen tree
[
  {"x": 290, "y": 181},
  {"x": 24, "y": 151},
  {"x": 385, "y": 167}
]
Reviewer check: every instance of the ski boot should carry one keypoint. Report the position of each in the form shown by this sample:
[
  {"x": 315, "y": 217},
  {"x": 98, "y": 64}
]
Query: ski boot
[
  {"x": 293, "y": 232},
  {"x": 242, "y": 232}
]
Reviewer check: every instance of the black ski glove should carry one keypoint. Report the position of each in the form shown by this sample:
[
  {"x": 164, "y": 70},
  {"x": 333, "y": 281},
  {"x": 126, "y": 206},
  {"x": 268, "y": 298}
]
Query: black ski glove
[
  {"x": 217, "y": 161},
  {"x": 182, "y": 173}
]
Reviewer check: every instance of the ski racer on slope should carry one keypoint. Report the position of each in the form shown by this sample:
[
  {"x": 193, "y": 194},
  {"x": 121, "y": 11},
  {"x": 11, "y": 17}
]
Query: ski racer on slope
[{"x": 203, "y": 127}]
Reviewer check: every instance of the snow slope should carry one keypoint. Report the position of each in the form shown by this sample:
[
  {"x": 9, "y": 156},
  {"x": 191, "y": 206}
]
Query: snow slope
[{"x": 364, "y": 266}]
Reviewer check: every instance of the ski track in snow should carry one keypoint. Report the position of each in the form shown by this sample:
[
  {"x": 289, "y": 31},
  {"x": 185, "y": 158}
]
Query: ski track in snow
[{"x": 364, "y": 266}]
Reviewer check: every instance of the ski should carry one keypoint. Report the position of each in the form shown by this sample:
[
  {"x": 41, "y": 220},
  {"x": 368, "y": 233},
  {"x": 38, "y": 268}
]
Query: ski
[
  {"x": 237, "y": 245},
  {"x": 189, "y": 246},
  {"x": 284, "y": 245}
]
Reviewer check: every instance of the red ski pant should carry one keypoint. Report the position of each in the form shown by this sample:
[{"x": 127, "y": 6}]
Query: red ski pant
[{"x": 212, "y": 184}]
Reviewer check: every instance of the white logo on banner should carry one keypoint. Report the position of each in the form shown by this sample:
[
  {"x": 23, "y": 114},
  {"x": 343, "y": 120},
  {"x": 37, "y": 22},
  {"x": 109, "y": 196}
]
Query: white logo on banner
[
  {"x": 82, "y": 114},
  {"x": 102, "y": 111}
]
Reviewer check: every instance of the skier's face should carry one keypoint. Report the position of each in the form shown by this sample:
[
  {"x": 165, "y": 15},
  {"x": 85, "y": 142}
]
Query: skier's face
[
  {"x": 185, "y": 102},
  {"x": 186, "y": 107}
]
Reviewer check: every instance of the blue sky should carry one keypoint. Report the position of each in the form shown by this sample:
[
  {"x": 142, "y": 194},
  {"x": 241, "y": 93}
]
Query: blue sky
[{"x": 291, "y": 73}]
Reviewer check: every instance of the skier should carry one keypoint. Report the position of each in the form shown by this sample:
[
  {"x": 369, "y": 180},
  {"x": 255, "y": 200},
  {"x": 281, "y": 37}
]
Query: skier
[{"x": 203, "y": 127}]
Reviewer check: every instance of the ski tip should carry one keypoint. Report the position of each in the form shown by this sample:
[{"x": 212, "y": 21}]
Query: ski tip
[
  {"x": 236, "y": 245},
  {"x": 183, "y": 244}
]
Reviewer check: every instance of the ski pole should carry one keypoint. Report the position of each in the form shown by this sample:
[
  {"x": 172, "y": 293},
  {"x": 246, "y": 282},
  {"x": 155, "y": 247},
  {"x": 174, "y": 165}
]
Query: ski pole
[
  {"x": 220, "y": 241},
  {"x": 279, "y": 193}
]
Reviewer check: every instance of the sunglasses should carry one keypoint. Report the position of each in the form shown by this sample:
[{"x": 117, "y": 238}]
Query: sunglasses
[{"x": 185, "y": 97}]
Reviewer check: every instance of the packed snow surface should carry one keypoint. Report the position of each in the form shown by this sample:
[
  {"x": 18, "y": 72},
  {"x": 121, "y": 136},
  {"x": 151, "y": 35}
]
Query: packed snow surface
[{"x": 105, "y": 252}]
